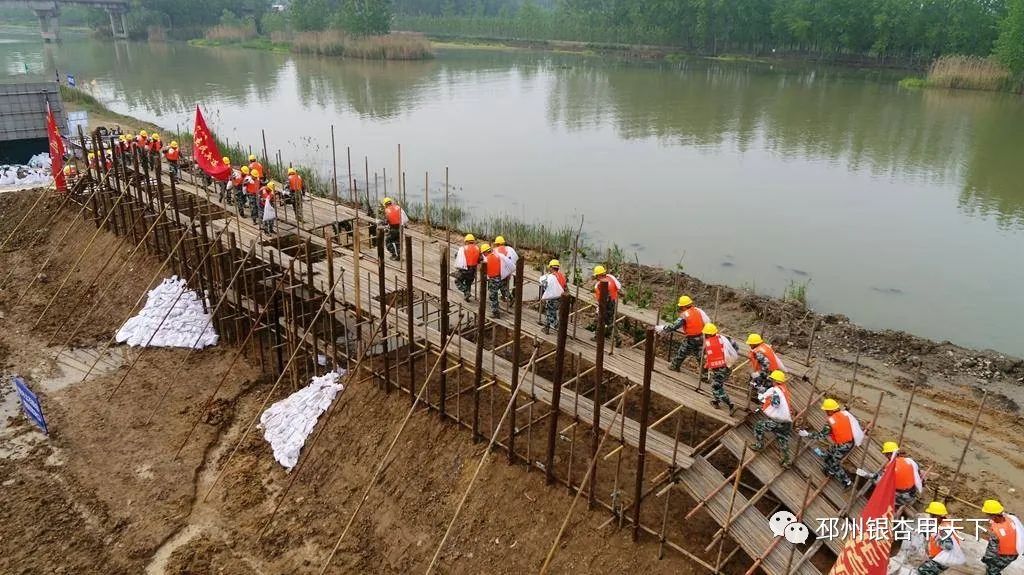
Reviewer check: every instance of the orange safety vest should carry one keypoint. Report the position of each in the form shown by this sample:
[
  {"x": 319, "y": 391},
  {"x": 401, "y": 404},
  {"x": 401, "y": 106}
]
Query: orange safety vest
[
  {"x": 789, "y": 401},
  {"x": 493, "y": 265},
  {"x": 253, "y": 187},
  {"x": 295, "y": 182},
  {"x": 503, "y": 250},
  {"x": 933, "y": 542},
  {"x": 714, "y": 352},
  {"x": 841, "y": 430},
  {"x": 769, "y": 353},
  {"x": 257, "y": 166},
  {"x": 155, "y": 145},
  {"x": 141, "y": 142},
  {"x": 1005, "y": 532},
  {"x": 472, "y": 254},
  {"x": 173, "y": 154},
  {"x": 266, "y": 194},
  {"x": 613, "y": 289},
  {"x": 561, "y": 279},
  {"x": 905, "y": 479},
  {"x": 693, "y": 322},
  {"x": 394, "y": 214},
  {"x": 236, "y": 178}
]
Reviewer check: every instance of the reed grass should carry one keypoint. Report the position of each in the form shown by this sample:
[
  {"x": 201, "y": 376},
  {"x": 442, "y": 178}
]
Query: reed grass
[
  {"x": 228, "y": 33},
  {"x": 337, "y": 43},
  {"x": 968, "y": 72}
]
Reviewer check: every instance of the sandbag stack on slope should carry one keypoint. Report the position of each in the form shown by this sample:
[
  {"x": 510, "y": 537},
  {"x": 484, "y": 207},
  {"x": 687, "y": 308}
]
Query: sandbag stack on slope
[
  {"x": 187, "y": 325},
  {"x": 288, "y": 423}
]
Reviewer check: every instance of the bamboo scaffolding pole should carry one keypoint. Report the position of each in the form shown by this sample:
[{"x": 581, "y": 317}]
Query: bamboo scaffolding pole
[
  {"x": 602, "y": 312},
  {"x": 517, "y": 337},
  {"x": 645, "y": 406},
  {"x": 384, "y": 459},
  {"x": 732, "y": 504},
  {"x": 556, "y": 392},
  {"x": 483, "y": 459},
  {"x": 382, "y": 300}
]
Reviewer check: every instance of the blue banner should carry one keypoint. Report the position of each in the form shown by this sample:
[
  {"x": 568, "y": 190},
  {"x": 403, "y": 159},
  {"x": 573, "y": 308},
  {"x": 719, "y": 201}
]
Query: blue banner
[
  {"x": 71, "y": 80},
  {"x": 30, "y": 404}
]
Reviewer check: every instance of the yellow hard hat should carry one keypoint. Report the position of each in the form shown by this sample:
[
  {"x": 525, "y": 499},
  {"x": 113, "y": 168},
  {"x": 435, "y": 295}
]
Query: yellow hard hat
[
  {"x": 291, "y": 171},
  {"x": 754, "y": 339},
  {"x": 226, "y": 160},
  {"x": 830, "y": 404},
  {"x": 710, "y": 329},
  {"x": 143, "y": 133},
  {"x": 252, "y": 157},
  {"x": 890, "y": 447},
  {"x": 245, "y": 170},
  {"x": 470, "y": 238},
  {"x": 485, "y": 248},
  {"x": 156, "y": 136},
  {"x": 992, "y": 507},
  {"x": 174, "y": 144},
  {"x": 599, "y": 271},
  {"x": 386, "y": 201},
  {"x": 684, "y": 300},
  {"x": 271, "y": 186},
  {"x": 936, "y": 508},
  {"x": 255, "y": 173},
  {"x": 778, "y": 376},
  {"x": 554, "y": 264},
  {"x": 91, "y": 155},
  {"x": 499, "y": 241}
]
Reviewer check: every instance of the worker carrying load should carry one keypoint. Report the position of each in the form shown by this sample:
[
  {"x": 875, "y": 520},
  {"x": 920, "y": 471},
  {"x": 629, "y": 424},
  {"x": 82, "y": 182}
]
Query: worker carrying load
[
  {"x": 466, "y": 260},
  {"x": 155, "y": 145},
  {"x": 512, "y": 256},
  {"x": 908, "y": 474},
  {"x": 141, "y": 145},
  {"x": 552, "y": 285},
  {"x": 719, "y": 353},
  {"x": 256, "y": 166},
  {"x": 763, "y": 361},
  {"x": 241, "y": 190},
  {"x": 227, "y": 188},
  {"x": 252, "y": 195},
  {"x": 943, "y": 544},
  {"x": 267, "y": 211},
  {"x": 601, "y": 276},
  {"x": 395, "y": 218},
  {"x": 843, "y": 432},
  {"x": 497, "y": 269},
  {"x": 91, "y": 161},
  {"x": 1005, "y": 538},
  {"x": 777, "y": 407},
  {"x": 689, "y": 323},
  {"x": 173, "y": 154}
]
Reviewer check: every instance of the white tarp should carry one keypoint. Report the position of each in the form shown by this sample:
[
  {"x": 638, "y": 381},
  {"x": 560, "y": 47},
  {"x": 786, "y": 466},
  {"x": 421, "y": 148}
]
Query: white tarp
[
  {"x": 288, "y": 423},
  {"x": 187, "y": 325}
]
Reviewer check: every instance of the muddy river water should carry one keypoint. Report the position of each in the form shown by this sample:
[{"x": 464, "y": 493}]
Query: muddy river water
[{"x": 903, "y": 209}]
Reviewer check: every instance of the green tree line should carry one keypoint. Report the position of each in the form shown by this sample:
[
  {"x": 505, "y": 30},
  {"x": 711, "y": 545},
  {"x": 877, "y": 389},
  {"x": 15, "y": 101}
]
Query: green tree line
[{"x": 917, "y": 30}]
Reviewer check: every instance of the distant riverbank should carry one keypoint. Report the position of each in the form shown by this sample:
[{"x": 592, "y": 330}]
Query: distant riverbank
[{"x": 394, "y": 46}]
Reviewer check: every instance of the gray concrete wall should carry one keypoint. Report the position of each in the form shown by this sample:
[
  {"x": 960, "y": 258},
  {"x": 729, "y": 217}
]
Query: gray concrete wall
[{"x": 23, "y": 109}]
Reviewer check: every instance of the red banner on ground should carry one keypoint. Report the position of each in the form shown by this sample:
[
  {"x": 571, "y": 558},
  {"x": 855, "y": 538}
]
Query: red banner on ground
[
  {"x": 866, "y": 552},
  {"x": 56, "y": 151},
  {"x": 205, "y": 152}
]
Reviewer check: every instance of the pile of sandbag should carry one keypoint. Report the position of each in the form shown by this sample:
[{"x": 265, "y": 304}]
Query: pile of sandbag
[
  {"x": 18, "y": 176},
  {"x": 186, "y": 324},
  {"x": 288, "y": 423}
]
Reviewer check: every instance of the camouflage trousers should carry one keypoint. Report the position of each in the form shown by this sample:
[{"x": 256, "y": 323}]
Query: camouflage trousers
[
  {"x": 464, "y": 280},
  {"x": 833, "y": 462},
  {"x": 257, "y": 209},
  {"x": 782, "y": 431},
  {"x": 994, "y": 562},
  {"x": 551, "y": 312},
  {"x": 506, "y": 294},
  {"x": 906, "y": 497},
  {"x": 689, "y": 346},
  {"x": 391, "y": 241},
  {"x": 241, "y": 200},
  {"x": 930, "y": 567},
  {"x": 718, "y": 377},
  {"x": 493, "y": 289}
]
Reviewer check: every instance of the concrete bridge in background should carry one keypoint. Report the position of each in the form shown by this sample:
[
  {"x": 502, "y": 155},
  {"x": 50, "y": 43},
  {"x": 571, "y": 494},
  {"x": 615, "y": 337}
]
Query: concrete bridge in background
[{"x": 48, "y": 12}]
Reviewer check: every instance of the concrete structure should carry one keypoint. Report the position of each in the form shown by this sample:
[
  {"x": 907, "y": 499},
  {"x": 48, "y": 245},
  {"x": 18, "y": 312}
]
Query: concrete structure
[
  {"x": 48, "y": 12},
  {"x": 23, "y": 118}
]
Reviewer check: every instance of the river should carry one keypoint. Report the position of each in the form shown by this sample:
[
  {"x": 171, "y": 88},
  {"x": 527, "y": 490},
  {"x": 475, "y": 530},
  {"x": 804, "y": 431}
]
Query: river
[{"x": 903, "y": 209}]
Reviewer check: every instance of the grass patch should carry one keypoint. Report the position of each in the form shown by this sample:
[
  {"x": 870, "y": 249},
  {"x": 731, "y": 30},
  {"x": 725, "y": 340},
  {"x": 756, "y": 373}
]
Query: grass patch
[
  {"x": 260, "y": 43},
  {"x": 969, "y": 73},
  {"x": 337, "y": 43},
  {"x": 796, "y": 292},
  {"x": 913, "y": 83}
]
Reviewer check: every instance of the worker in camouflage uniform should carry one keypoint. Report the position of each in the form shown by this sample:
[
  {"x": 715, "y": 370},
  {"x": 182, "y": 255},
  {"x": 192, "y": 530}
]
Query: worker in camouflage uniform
[
  {"x": 843, "y": 432},
  {"x": 493, "y": 267},
  {"x": 689, "y": 323},
  {"x": 466, "y": 260},
  {"x": 942, "y": 546},
  {"x": 763, "y": 361},
  {"x": 552, "y": 284},
  {"x": 1005, "y": 538},
  {"x": 778, "y": 411},
  {"x": 719, "y": 352}
]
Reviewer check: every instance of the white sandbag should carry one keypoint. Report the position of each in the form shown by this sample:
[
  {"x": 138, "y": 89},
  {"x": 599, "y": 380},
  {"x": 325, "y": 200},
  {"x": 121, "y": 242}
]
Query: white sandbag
[
  {"x": 186, "y": 324},
  {"x": 18, "y": 176},
  {"x": 288, "y": 423}
]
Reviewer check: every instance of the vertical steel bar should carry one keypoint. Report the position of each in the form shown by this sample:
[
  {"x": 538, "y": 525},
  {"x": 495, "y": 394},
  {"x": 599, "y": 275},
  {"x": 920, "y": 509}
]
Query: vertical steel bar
[
  {"x": 645, "y": 408},
  {"x": 556, "y": 392},
  {"x": 478, "y": 367},
  {"x": 445, "y": 280},
  {"x": 602, "y": 311},
  {"x": 411, "y": 324},
  {"x": 517, "y": 333},
  {"x": 382, "y": 297}
]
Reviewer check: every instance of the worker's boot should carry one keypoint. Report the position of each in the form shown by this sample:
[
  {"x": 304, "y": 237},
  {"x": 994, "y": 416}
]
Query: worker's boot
[
  {"x": 786, "y": 462},
  {"x": 676, "y": 365},
  {"x": 546, "y": 329},
  {"x": 715, "y": 403},
  {"x": 757, "y": 446}
]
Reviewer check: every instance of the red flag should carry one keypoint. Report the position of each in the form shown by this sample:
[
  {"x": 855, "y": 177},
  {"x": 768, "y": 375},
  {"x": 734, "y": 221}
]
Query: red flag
[
  {"x": 205, "y": 152},
  {"x": 56, "y": 151},
  {"x": 866, "y": 551}
]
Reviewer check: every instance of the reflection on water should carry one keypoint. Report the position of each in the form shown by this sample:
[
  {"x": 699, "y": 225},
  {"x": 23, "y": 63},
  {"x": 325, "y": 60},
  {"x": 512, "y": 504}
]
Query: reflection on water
[{"x": 895, "y": 204}]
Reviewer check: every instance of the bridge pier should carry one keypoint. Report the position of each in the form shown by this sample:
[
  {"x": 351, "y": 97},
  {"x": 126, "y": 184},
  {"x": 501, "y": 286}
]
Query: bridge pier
[
  {"x": 49, "y": 21},
  {"x": 118, "y": 23}
]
